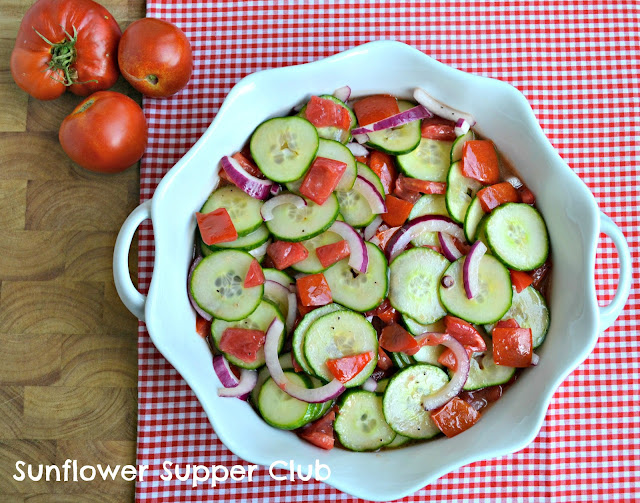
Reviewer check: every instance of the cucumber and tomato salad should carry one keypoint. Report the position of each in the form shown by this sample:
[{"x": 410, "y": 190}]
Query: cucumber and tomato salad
[{"x": 401, "y": 257}]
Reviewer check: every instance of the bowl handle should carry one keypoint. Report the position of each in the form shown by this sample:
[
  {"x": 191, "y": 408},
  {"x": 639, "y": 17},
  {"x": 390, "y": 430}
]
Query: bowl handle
[
  {"x": 609, "y": 313},
  {"x": 129, "y": 294}
]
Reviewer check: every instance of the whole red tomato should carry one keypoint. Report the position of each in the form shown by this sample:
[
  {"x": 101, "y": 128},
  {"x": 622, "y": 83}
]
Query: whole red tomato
[
  {"x": 155, "y": 57},
  {"x": 106, "y": 133},
  {"x": 66, "y": 44}
]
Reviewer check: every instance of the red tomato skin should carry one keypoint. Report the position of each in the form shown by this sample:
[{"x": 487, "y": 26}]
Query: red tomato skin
[
  {"x": 105, "y": 133},
  {"x": 526, "y": 196},
  {"x": 510, "y": 323},
  {"x": 437, "y": 128},
  {"x": 397, "y": 211},
  {"x": 465, "y": 333},
  {"x": 512, "y": 347},
  {"x": 203, "y": 327},
  {"x": 480, "y": 161},
  {"x": 375, "y": 108},
  {"x": 494, "y": 195},
  {"x": 346, "y": 368},
  {"x": 384, "y": 237},
  {"x": 382, "y": 165},
  {"x": 323, "y": 112},
  {"x": 394, "y": 338},
  {"x": 96, "y": 48},
  {"x": 155, "y": 57},
  {"x": 216, "y": 227},
  {"x": 407, "y": 184},
  {"x": 314, "y": 290},
  {"x": 285, "y": 254},
  {"x": 332, "y": 253},
  {"x": 520, "y": 280},
  {"x": 384, "y": 362},
  {"x": 242, "y": 343},
  {"x": 454, "y": 417},
  {"x": 320, "y": 432},
  {"x": 255, "y": 276},
  {"x": 448, "y": 358},
  {"x": 321, "y": 179},
  {"x": 401, "y": 192},
  {"x": 385, "y": 312}
]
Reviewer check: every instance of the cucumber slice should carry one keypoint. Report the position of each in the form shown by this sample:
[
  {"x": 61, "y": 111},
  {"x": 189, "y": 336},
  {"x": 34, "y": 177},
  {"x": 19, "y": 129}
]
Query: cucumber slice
[
  {"x": 217, "y": 285},
  {"x": 359, "y": 291},
  {"x": 416, "y": 328},
  {"x": 360, "y": 424},
  {"x": 367, "y": 173},
  {"x": 282, "y": 410},
  {"x": 339, "y": 334},
  {"x": 428, "y": 161},
  {"x": 530, "y": 310},
  {"x": 292, "y": 224},
  {"x": 311, "y": 264},
  {"x": 278, "y": 296},
  {"x": 493, "y": 300},
  {"x": 382, "y": 385},
  {"x": 484, "y": 372},
  {"x": 260, "y": 252},
  {"x": 398, "y": 140},
  {"x": 249, "y": 242},
  {"x": 323, "y": 407},
  {"x": 399, "y": 441},
  {"x": 456, "y": 147},
  {"x": 401, "y": 360},
  {"x": 334, "y": 133},
  {"x": 243, "y": 209},
  {"x": 429, "y": 204},
  {"x": 429, "y": 354},
  {"x": 284, "y": 147},
  {"x": 517, "y": 235},
  {"x": 353, "y": 206},
  {"x": 338, "y": 152},
  {"x": 278, "y": 276},
  {"x": 472, "y": 219},
  {"x": 460, "y": 191},
  {"x": 260, "y": 319},
  {"x": 402, "y": 401},
  {"x": 415, "y": 278},
  {"x": 263, "y": 375},
  {"x": 297, "y": 342}
]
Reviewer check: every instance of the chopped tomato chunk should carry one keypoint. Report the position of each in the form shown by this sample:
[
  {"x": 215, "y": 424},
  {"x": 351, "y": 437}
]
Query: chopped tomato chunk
[
  {"x": 454, "y": 417},
  {"x": 385, "y": 312},
  {"x": 346, "y": 368},
  {"x": 437, "y": 128},
  {"x": 203, "y": 327},
  {"x": 242, "y": 343},
  {"x": 405, "y": 194},
  {"x": 448, "y": 358},
  {"x": 526, "y": 196},
  {"x": 397, "y": 211},
  {"x": 494, "y": 195},
  {"x": 255, "y": 276},
  {"x": 285, "y": 254},
  {"x": 246, "y": 164},
  {"x": 480, "y": 161},
  {"x": 384, "y": 236},
  {"x": 408, "y": 184},
  {"x": 216, "y": 227},
  {"x": 314, "y": 290},
  {"x": 320, "y": 432},
  {"x": 510, "y": 323},
  {"x": 382, "y": 165},
  {"x": 512, "y": 347},
  {"x": 375, "y": 108},
  {"x": 465, "y": 333},
  {"x": 361, "y": 158},
  {"x": 322, "y": 178},
  {"x": 332, "y": 253},
  {"x": 520, "y": 280},
  {"x": 323, "y": 112},
  {"x": 302, "y": 309},
  {"x": 384, "y": 362},
  {"x": 539, "y": 274},
  {"x": 394, "y": 338}
]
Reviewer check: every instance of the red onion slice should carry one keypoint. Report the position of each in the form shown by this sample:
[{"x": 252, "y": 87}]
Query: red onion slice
[
  {"x": 248, "y": 380},
  {"x": 426, "y": 223},
  {"x": 255, "y": 187},
  {"x": 371, "y": 229},
  {"x": 342, "y": 93},
  {"x": 193, "y": 302},
  {"x": 292, "y": 311},
  {"x": 462, "y": 127},
  {"x": 358, "y": 254},
  {"x": 447, "y": 281},
  {"x": 454, "y": 386},
  {"x": 315, "y": 395},
  {"x": 370, "y": 385},
  {"x": 275, "y": 189},
  {"x": 399, "y": 119},
  {"x": 439, "y": 108},
  {"x": 367, "y": 190},
  {"x": 357, "y": 149},
  {"x": 449, "y": 248},
  {"x": 471, "y": 269},
  {"x": 267, "y": 208},
  {"x": 223, "y": 370},
  {"x": 515, "y": 182}
]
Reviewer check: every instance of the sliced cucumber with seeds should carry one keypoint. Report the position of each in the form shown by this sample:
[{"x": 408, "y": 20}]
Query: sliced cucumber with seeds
[
  {"x": 334, "y": 133},
  {"x": 297, "y": 224},
  {"x": 284, "y": 147},
  {"x": 456, "y": 147},
  {"x": 243, "y": 209},
  {"x": 415, "y": 278},
  {"x": 530, "y": 310},
  {"x": 492, "y": 301},
  {"x": 517, "y": 235},
  {"x": 397, "y": 140},
  {"x": 260, "y": 319},
  {"x": 484, "y": 372},
  {"x": 472, "y": 219},
  {"x": 339, "y": 334},
  {"x": 249, "y": 242},
  {"x": 282, "y": 410},
  {"x": 311, "y": 264},
  {"x": 402, "y": 402},
  {"x": 359, "y": 291},
  {"x": 428, "y": 161},
  {"x": 460, "y": 191},
  {"x": 297, "y": 342},
  {"x": 429, "y": 204},
  {"x": 217, "y": 285},
  {"x": 360, "y": 423}
]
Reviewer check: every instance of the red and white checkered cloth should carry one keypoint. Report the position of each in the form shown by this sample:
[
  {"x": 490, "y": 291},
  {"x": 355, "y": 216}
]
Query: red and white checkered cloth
[{"x": 578, "y": 64}]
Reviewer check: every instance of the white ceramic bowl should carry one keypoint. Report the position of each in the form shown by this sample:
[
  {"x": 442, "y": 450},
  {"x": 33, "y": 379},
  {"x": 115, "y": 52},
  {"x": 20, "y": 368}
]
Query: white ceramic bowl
[{"x": 504, "y": 116}]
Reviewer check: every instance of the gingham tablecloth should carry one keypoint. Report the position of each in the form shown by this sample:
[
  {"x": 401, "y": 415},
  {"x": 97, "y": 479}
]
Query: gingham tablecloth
[{"x": 578, "y": 64}]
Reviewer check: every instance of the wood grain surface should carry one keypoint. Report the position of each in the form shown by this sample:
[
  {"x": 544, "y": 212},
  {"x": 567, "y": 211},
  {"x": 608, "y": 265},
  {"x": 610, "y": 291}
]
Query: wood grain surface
[{"x": 69, "y": 371}]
